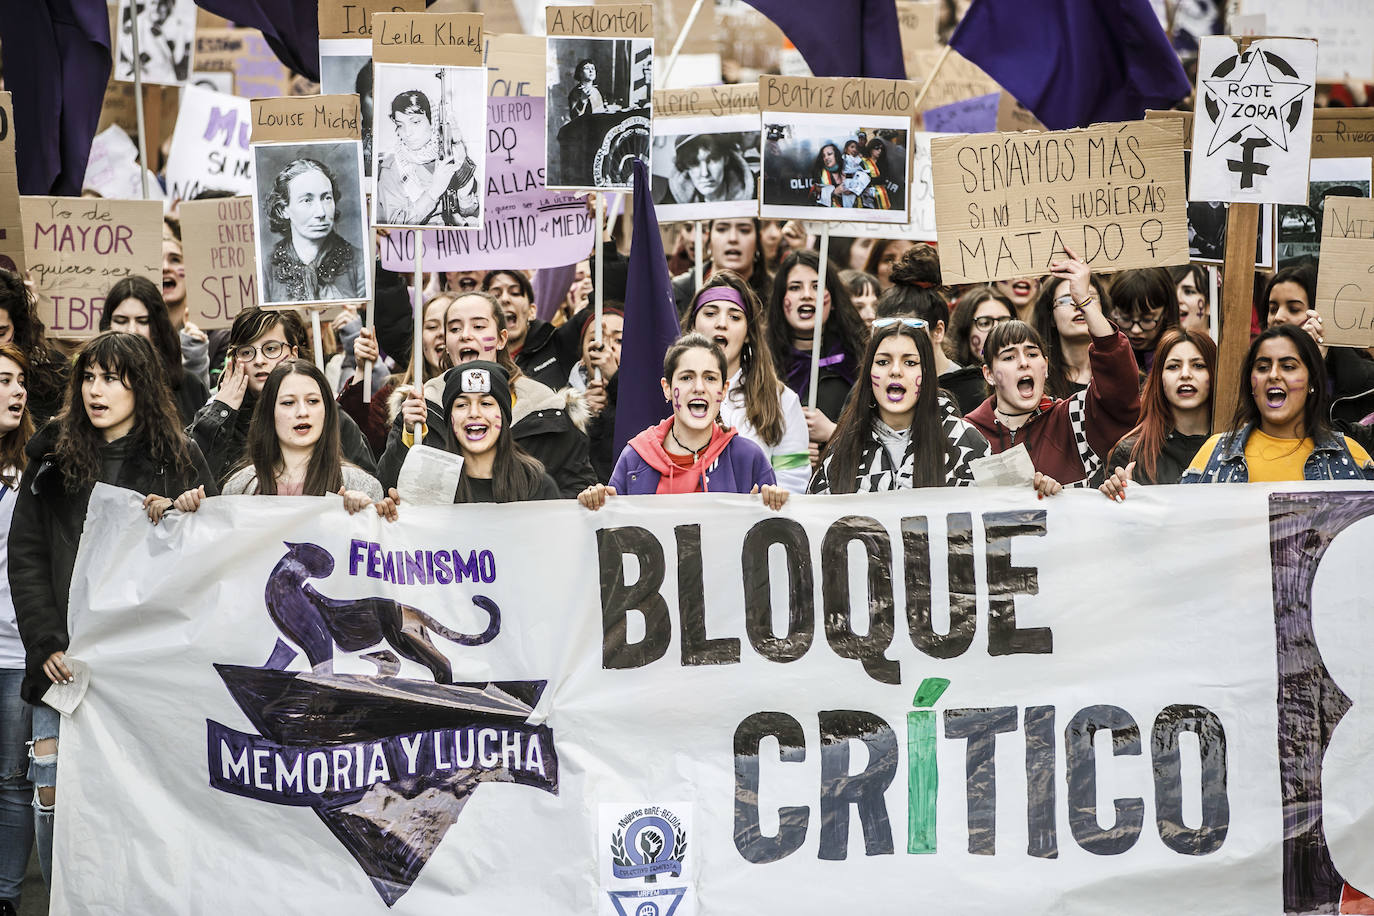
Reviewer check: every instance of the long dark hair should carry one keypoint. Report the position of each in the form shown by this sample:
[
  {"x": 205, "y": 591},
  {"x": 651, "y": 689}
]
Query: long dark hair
[
  {"x": 324, "y": 473},
  {"x": 844, "y": 328},
  {"x": 960, "y": 327},
  {"x": 759, "y": 380},
  {"x": 45, "y": 378},
  {"x": 13, "y": 459},
  {"x": 1144, "y": 290},
  {"x": 1303, "y": 275},
  {"x": 1057, "y": 384},
  {"x": 854, "y": 431},
  {"x": 156, "y": 432},
  {"x": 917, "y": 288},
  {"x": 1316, "y": 412},
  {"x": 1156, "y": 414},
  {"x": 164, "y": 337}
]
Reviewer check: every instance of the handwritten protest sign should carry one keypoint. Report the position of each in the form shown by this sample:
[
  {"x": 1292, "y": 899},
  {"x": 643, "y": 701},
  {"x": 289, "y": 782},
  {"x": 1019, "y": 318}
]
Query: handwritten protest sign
[
  {"x": 525, "y": 223},
  {"x": 341, "y": 19},
  {"x": 217, "y": 49},
  {"x": 210, "y": 145},
  {"x": 919, "y": 23},
  {"x": 922, "y": 193},
  {"x": 78, "y": 247},
  {"x": 704, "y": 158},
  {"x": 1345, "y": 286},
  {"x": 217, "y": 245},
  {"x": 1252, "y": 130},
  {"x": 1007, "y": 204},
  {"x": 11, "y": 225},
  {"x": 515, "y": 65},
  {"x": 257, "y": 72}
]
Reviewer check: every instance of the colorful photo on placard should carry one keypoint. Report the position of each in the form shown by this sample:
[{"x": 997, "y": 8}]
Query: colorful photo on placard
[
  {"x": 166, "y": 33},
  {"x": 706, "y": 168},
  {"x": 311, "y": 234},
  {"x": 599, "y": 110},
  {"x": 346, "y": 68},
  {"x": 429, "y": 145},
  {"x": 853, "y": 166},
  {"x": 1300, "y": 228}
]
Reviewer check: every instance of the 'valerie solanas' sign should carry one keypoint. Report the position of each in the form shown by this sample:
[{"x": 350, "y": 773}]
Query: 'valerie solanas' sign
[{"x": 1006, "y": 704}]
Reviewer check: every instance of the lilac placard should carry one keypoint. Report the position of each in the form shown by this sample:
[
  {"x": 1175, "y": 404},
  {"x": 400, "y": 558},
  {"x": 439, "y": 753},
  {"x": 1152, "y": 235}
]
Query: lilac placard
[
  {"x": 526, "y": 225},
  {"x": 977, "y": 115}
]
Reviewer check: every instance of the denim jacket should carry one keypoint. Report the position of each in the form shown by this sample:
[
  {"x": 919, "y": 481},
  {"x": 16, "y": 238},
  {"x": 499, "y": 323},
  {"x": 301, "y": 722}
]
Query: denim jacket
[{"x": 1330, "y": 460}]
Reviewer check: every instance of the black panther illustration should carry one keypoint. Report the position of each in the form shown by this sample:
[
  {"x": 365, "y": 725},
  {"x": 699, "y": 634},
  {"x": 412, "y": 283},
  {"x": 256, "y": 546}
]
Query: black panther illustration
[{"x": 317, "y": 623}]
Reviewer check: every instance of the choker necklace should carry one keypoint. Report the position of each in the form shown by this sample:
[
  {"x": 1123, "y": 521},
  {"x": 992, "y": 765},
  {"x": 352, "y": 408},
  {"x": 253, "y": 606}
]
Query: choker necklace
[
  {"x": 1002, "y": 413},
  {"x": 696, "y": 452}
]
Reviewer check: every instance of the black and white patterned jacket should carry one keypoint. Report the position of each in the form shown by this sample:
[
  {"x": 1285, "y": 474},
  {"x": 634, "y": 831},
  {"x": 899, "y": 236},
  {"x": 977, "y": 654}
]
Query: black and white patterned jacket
[{"x": 876, "y": 473}]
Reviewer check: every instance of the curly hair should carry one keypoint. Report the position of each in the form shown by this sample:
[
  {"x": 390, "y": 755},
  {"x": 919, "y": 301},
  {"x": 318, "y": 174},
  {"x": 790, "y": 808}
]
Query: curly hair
[
  {"x": 46, "y": 378},
  {"x": 280, "y": 198}
]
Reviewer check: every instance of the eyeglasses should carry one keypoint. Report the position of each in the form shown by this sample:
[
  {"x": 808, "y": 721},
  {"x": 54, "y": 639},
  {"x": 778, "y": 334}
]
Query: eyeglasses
[
  {"x": 272, "y": 349},
  {"x": 1065, "y": 302},
  {"x": 988, "y": 322},
  {"x": 918, "y": 324},
  {"x": 1147, "y": 322}
]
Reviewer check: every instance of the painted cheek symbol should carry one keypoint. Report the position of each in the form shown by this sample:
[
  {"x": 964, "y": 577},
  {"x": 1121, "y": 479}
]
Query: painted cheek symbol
[{"x": 677, "y": 400}]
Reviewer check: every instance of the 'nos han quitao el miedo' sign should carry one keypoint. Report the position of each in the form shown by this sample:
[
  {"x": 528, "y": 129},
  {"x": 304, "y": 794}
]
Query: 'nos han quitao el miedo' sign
[{"x": 689, "y": 704}]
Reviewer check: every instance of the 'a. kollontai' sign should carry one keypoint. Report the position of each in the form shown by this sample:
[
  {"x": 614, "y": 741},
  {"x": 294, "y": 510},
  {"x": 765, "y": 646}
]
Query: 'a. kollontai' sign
[{"x": 690, "y": 703}]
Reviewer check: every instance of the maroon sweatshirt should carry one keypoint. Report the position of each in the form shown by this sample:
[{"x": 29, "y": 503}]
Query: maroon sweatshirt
[{"x": 1107, "y": 411}]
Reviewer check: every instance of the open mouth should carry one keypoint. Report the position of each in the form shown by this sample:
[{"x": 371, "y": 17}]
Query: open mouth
[
  {"x": 467, "y": 354},
  {"x": 169, "y": 282},
  {"x": 475, "y": 432},
  {"x": 97, "y": 410},
  {"x": 732, "y": 254},
  {"x": 1021, "y": 288},
  {"x": 895, "y": 392},
  {"x": 720, "y": 340},
  {"x": 261, "y": 376},
  {"x": 1275, "y": 397},
  {"x": 467, "y": 284},
  {"x": 302, "y": 429},
  {"x": 698, "y": 408},
  {"x": 1186, "y": 391},
  {"x": 1025, "y": 386},
  {"x": 17, "y": 409},
  {"x": 806, "y": 312}
]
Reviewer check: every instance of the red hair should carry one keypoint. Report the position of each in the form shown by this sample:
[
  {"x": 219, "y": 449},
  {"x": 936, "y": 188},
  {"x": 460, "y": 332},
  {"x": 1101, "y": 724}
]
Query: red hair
[{"x": 1156, "y": 415}]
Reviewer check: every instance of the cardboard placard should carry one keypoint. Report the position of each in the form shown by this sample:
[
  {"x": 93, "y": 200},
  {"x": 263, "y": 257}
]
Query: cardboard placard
[
  {"x": 919, "y": 22},
  {"x": 921, "y": 191},
  {"x": 308, "y": 117},
  {"x": 627, "y": 20},
  {"x": 78, "y": 247},
  {"x": 217, "y": 49},
  {"x": 1344, "y": 31},
  {"x": 707, "y": 101},
  {"x": 1340, "y": 133},
  {"x": 1300, "y": 228},
  {"x": 515, "y": 65},
  {"x": 1345, "y": 286},
  {"x": 11, "y": 224},
  {"x": 836, "y": 95},
  {"x": 353, "y": 18},
  {"x": 217, "y": 247},
  {"x": 1252, "y": 129},
  {"x": 959, "y": 78},
  {"x": 441, "y": 39},
  {"x": 210, "y": 145},
  {"x": 258, "y": 74},
  {"x": 1006, "y": 205}
]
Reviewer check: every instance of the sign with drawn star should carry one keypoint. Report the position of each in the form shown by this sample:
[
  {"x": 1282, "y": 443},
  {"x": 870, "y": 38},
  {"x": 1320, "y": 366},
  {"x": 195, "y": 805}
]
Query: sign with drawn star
[{"x": 1252, "y": 131}]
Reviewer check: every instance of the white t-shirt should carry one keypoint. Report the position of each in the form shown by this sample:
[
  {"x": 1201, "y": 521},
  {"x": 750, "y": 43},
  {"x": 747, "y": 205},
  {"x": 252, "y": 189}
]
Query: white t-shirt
[
  {"x": 790, "y": 458},
  {"x": 11, "y": 646}
]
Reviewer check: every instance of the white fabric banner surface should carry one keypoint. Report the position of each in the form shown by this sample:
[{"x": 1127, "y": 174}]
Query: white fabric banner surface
[{"x": 945, "y": 700}]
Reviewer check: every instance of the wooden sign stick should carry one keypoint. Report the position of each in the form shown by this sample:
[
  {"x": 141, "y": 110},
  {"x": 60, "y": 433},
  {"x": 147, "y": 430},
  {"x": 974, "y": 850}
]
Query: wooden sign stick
[{"x": 1237, "y": 304}]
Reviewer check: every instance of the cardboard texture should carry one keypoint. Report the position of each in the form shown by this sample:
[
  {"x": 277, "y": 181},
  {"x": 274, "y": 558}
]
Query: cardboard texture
[
  {"x": 1345, "y": 286},
  {"x": 707, "y": 101},
  {"x": 353, "y": 18},
  {"x": 78, "y": 247},
  {"x": 217, "y": 246},
  {"x": 11, "y": 224},
  {"x": 438, "y": 39},
  {"x": 309, "y": 117},
  {"x": 669, "y": 18},
  {"x": 1344, "y": 30},
  {"x": 919, "y": 22},
  {"x": 627, "y": 20},
  {"x": 836, "y": 95},
  {"x": 515, "y": 65},
  {"x": 958, "y": 79},
  {"x": 217, "y": 49},
  {"x": 1007, "y": 204}
]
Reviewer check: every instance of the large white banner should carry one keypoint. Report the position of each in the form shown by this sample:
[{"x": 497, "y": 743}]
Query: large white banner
[{"x": 943, "y": 701}]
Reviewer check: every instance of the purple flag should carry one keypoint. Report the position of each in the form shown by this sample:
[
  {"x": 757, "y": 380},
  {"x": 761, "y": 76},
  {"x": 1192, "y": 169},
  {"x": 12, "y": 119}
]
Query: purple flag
[
  {"x": 1075, "y": 62},
  {"x": 651, "y": 322},
  {"x": 842, "y": 37},
  {"x": 57, "y": 62},
  {"x": 291, "y": 27}
]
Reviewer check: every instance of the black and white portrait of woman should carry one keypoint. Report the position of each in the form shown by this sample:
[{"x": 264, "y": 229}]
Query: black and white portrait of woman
[
  {"x": 706, "y": 171},
  {"x": 310, "y": 222},
  {"x": 428, "y": 145},
  {"x": 598, "y": 109},
  {"x": 166, "y": 31}
]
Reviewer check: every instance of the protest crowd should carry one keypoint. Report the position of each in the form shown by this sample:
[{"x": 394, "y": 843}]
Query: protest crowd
[{"x": 752, "y": 354}]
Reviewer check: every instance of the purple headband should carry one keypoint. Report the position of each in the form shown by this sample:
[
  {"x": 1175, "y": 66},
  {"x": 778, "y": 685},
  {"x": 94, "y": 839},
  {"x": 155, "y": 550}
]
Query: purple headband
[{"x": 720, "y": 294}]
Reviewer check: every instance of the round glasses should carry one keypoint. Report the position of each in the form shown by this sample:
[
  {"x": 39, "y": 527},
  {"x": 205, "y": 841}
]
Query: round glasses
[
  {"x": 272, "y": 349},
  {"x": 988, "y": 322},
  {"x": 1146, "y": 322}
]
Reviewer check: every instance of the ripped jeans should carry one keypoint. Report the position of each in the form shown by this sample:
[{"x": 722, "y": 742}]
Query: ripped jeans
[
  {"x": 16, "y": 794},
  {"x": 43, "y": 774}
]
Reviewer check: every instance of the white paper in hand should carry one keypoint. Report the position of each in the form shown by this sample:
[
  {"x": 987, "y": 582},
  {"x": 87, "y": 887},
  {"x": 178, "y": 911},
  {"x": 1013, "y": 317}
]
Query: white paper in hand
[
  {"x": 429, "y": 476},
  {"x": 66, "y": 697},
  {"x": 1012, "y": 468}
]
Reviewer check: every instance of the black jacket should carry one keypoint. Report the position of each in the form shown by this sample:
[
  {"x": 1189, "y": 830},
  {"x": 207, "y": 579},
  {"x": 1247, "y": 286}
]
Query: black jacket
[
  {"x": 545, "y": 423},
  {"x": 222, "y": 434},
  {"x": 190, "y": 396},
  {"x": 967, "y": 387},
  {"x": 45, "y": 532},
  {"x": 685, "y": 287},
  {"x": 1176, "y": 454},
  {"x": 601, "y": 433},
  {"x": 540, "y": 358}
]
